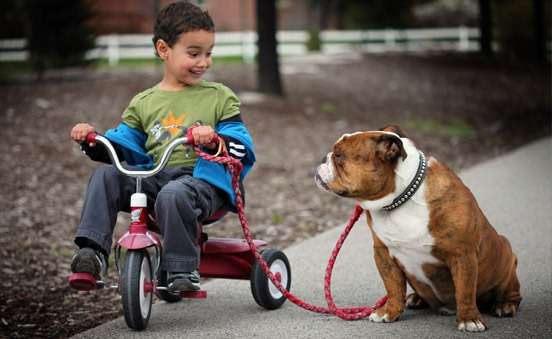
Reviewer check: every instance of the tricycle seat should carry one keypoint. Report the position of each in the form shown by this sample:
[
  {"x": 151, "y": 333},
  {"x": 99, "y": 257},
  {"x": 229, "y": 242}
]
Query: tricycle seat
[
  {"x": 152, "y": 223},
  {"x": 228, "y": 245}
]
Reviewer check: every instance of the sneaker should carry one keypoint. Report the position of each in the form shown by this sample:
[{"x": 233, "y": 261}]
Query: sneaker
[
  {"x": 86, "y": 260},
  {"x": 182, "y": 282}
]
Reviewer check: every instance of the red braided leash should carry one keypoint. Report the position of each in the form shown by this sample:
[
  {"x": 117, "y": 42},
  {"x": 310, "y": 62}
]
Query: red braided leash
[{"x": 353, "y": 313}]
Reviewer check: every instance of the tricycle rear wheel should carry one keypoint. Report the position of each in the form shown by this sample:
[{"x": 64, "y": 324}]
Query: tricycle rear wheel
[
  {"x": 264, "y": 291},
  {"x": 137, "y": 289}
]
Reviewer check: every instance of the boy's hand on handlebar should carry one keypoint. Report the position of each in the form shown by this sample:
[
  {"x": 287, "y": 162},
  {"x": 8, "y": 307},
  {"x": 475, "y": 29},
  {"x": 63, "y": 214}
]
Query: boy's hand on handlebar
[
  {"x": 204, "y": 135},
  {"x": 80, "y": 131}
]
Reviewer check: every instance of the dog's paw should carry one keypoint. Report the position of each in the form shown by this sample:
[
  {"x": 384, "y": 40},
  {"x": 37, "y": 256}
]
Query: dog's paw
[
  {"x": 413, "y": 301},
  {"x": 472, "y": 326},
  {"x": 385, "y": 314},
  {"x": 379, "y": 319},
  {"x": 505, "y": 309}
]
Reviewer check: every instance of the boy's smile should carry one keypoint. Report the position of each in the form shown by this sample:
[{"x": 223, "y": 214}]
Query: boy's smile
[{"x": 187, "y": 60}]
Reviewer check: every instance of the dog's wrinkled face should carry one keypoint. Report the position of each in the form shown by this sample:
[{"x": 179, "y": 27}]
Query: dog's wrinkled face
[{"x": 361, "y": 165}]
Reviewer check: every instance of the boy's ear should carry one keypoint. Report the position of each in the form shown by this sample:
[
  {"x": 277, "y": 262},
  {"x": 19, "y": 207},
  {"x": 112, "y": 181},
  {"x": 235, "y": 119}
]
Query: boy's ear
[{"x": 162, "y": 48}]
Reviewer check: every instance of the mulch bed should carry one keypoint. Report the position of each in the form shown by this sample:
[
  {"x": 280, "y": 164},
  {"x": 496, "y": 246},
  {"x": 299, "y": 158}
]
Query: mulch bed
[{"x": 459, "y": 108}]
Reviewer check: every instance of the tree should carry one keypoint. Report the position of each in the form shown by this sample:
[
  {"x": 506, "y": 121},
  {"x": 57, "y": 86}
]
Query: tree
[
  {"x": 521, "y": 28},
  {"x": 485, "y": 27},
  {"x": 540, "y": 29},
  {"x": 323, "y": 15},
  {"x": 12, "y": 17},
  {"x": 268, "y": 67},
  {"x": 376, "y": 14},
  {"x": 330, "y": 10},
  {"x": 58, "y": 35}
]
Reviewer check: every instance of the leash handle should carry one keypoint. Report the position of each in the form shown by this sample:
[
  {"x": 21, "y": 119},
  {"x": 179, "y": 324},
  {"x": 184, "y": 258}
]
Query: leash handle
[{"x": 351, "y": 313}]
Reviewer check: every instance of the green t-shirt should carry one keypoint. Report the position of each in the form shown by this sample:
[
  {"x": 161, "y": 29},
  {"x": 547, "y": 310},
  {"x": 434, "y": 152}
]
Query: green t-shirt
[{"x": 165, "y": 115}]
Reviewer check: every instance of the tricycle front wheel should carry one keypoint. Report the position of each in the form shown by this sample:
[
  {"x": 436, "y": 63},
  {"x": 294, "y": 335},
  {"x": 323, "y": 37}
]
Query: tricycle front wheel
[
  {"x": 137, "y": 289},
  {"x": 264, "y": 291}
]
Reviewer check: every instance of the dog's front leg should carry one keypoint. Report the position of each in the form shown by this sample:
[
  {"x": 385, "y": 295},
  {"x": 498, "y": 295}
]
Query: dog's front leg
[
  {"x": 394, "y": 281},
  {"x": 464, "y": 274}
]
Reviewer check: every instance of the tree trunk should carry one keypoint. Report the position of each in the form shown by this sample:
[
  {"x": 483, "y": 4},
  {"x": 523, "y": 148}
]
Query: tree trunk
[
  {"x": 325, "y": 8},
  {"x": 539, "y": 30},
  {"x": 485, "y": 27},
  {"x": 268, "y": 68}
]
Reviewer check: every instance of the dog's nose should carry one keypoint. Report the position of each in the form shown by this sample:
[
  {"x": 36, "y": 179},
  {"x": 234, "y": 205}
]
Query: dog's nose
[{"x": 323, "y": 160}]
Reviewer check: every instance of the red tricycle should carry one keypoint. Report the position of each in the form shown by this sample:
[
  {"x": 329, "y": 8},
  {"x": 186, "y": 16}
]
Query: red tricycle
[{"x": 142, "y": 274}]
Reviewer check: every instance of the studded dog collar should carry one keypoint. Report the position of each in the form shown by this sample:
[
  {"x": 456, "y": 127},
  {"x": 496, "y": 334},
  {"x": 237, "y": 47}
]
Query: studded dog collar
[{"x": 412, "y": 188}]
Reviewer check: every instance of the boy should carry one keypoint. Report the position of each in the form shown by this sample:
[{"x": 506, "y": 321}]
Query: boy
[{"x": 188, "y": 190}]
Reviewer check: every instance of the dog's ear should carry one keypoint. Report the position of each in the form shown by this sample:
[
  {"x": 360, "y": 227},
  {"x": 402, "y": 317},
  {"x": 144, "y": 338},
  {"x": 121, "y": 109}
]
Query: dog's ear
[
  {"x": 390, "y": 147},
  {"x": 394, "y": 129}
]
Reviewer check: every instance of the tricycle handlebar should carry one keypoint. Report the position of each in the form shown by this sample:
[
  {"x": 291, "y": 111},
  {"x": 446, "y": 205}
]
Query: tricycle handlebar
[{"x": 95, "y": 137}]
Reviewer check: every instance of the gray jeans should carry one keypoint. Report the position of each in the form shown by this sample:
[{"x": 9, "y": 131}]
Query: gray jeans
[{"x": 180, "y": 201}]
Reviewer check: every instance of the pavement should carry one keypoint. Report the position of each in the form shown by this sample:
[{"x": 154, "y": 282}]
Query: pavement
[{"x": 515, "y": 193}]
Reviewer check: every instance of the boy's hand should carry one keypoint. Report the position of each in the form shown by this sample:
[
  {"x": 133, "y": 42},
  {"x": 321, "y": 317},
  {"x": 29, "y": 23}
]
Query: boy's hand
[
  {"x": 203, "y": 135},
  {"x": 80, "y": 131}
]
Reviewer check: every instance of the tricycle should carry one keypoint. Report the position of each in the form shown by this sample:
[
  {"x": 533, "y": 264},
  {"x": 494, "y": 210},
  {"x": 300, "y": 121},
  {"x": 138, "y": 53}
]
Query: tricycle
[{"x": 138, "y": 255}]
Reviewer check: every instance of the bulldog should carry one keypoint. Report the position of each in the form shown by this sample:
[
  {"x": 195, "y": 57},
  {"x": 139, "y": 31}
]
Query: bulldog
[{"x": 427, "y": 229}]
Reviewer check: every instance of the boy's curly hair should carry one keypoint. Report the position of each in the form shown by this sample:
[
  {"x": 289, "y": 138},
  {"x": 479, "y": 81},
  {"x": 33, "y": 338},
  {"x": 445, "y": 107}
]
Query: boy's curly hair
[{"x": 177, "y": 18}]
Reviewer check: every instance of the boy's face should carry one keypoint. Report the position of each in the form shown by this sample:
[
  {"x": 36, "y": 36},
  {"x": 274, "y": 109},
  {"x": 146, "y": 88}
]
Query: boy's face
[{"x": 190, "y": 57}]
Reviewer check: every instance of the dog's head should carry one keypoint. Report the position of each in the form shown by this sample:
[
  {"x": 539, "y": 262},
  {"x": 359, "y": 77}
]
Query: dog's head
[{"x": 362, "y": 165}]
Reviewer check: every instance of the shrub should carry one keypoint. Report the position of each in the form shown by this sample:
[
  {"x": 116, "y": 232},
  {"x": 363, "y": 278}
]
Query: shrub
[{"x": 58, "y": 34}]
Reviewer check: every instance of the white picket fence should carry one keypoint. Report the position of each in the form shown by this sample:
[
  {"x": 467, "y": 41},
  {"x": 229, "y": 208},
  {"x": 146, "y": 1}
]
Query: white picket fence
[{"x": 243, "y": 44}]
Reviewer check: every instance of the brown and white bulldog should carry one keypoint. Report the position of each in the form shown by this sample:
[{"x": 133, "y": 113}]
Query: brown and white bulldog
[{"x": 427, "y": 227}]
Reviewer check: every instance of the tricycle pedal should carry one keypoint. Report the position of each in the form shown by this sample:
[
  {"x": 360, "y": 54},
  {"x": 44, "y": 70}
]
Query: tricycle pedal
[
  {"x": 201, "y": 294},
  {"x": 84, "y": 282}
]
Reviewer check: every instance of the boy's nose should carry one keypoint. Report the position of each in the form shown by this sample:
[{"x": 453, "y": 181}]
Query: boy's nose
[{"x": 204, "y": 62}]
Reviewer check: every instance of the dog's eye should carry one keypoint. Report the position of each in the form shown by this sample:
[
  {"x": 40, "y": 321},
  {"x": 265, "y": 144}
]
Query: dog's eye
[{"x": 339, "y": 157}]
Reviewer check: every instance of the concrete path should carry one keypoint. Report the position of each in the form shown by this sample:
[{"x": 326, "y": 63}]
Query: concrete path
[{"x": 515, "y": 192}]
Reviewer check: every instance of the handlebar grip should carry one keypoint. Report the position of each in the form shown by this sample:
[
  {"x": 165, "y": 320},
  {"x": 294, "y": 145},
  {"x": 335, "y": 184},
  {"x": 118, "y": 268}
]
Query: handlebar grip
[
  {"x": 91, "y": 137},
  {"x": 189, "y": 136}
]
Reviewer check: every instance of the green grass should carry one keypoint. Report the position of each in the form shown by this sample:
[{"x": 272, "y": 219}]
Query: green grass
[
  {"x": 277, "y": 219},
  {"x": 9, "y": 69},
  {"x": 453, "y": 128},
  {"x": 128, "y": 63},
  {"x": 17, "y": 68},
  {"x": 328, "y": 107},
  {"x": 63, "y": 252},
  {"x": 149, "y": 62}
]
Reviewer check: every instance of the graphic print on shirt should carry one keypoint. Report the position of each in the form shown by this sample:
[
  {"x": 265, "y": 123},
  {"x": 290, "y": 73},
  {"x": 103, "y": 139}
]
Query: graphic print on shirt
[
  {"x": 168, "y": 127},
  {"x": 172, "y": 127},
  {"x": 172, "y": 124}
]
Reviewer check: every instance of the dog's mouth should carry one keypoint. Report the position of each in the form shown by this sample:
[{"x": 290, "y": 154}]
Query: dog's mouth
[
  {"x": 324, "y": 187},
  {"x": 321, "y": 184}
]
